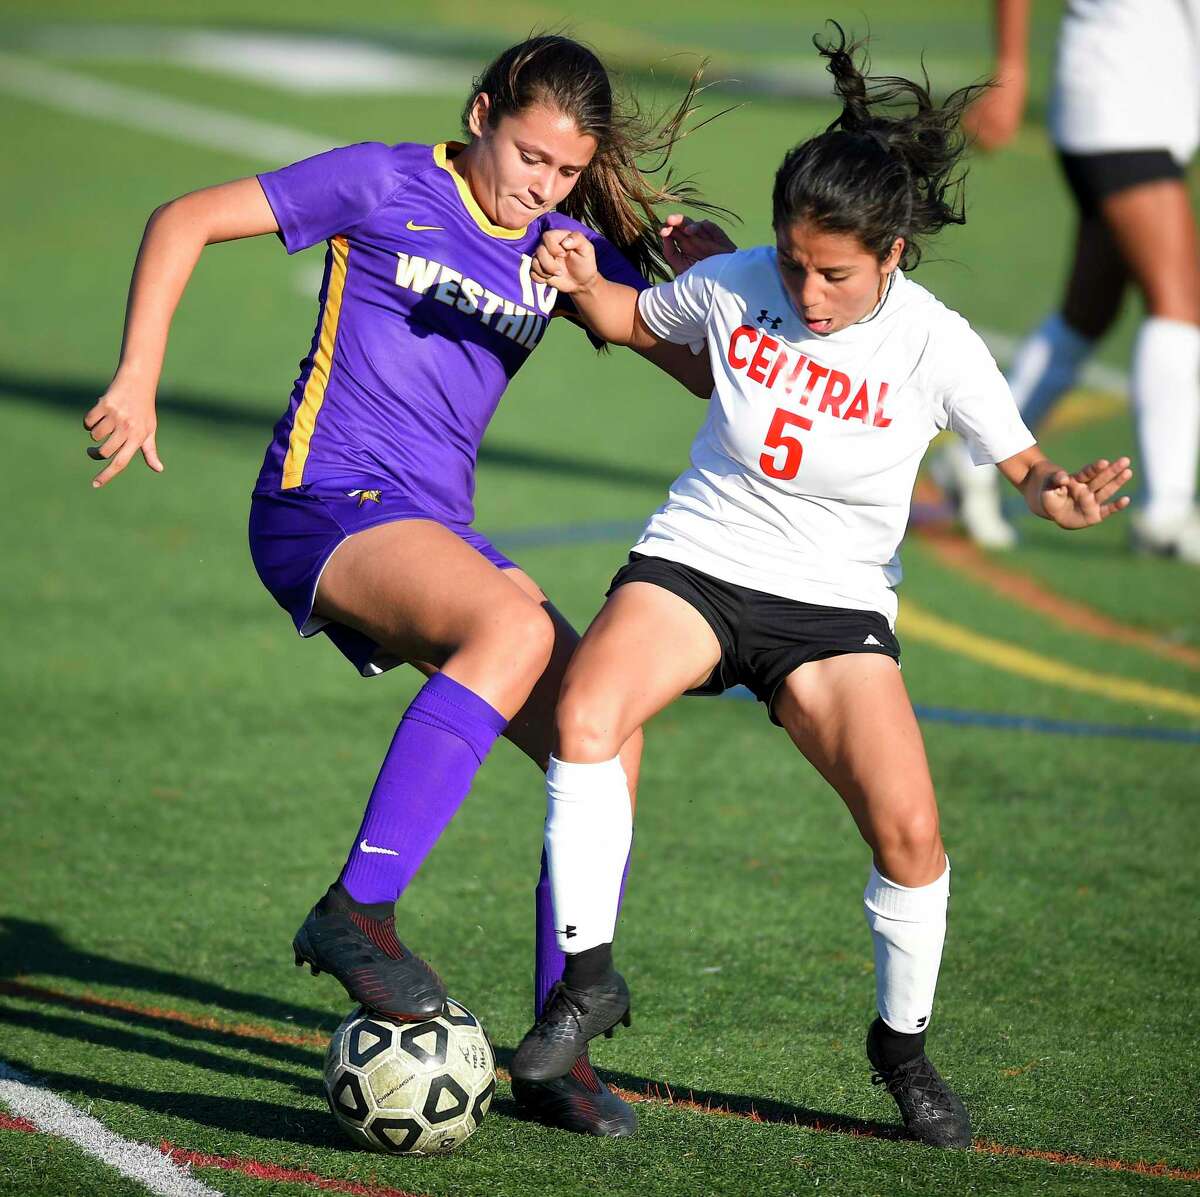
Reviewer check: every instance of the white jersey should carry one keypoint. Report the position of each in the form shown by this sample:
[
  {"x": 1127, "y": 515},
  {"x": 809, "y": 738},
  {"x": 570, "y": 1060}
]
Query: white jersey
[
  {"x": 1127, "y": 77},
  {"x": 801, "y": 477}
]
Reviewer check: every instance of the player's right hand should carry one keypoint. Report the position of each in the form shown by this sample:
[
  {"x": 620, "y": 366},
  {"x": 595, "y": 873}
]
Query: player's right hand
[
  {"x": 565, "y": 260},
  {"x": 686, "y": 242},
  {"x": 122, "y": 423}
]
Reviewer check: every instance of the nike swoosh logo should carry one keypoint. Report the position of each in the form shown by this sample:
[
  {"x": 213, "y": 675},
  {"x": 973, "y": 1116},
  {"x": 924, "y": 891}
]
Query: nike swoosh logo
[
  {"x": 365, "y": 847},
  {"x": 424, "y": 228}
]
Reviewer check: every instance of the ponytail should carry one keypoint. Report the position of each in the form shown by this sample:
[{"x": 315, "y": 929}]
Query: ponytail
[{"x": 888, "y": 166}]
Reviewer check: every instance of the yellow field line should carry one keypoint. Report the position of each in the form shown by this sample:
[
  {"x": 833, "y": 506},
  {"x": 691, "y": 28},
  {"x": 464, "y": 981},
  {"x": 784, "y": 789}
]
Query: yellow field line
[
  {"x": 1083, "y": 407},
  {"x": 918, "y": 624}
]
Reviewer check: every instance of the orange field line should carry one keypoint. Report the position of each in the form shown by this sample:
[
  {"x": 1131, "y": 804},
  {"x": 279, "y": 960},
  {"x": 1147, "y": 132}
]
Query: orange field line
[
  {"x": 91, "y": 1001},
  {"x": 959, "y": 554},
  {"x": 260, "y": 1170},
  {"x": 652, "y": 1094}
]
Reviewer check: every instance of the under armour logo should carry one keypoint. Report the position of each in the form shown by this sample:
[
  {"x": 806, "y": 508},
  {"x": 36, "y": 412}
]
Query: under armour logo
[
  {"x": 922, "y": 1021},
  {"x": 765, "y": 317},
  {"x": 569, "y": 931}
]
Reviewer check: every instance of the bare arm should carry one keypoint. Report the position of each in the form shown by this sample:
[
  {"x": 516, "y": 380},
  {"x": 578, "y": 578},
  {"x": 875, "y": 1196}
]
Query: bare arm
[
  {"x": 1070, "y": 500},
  {"x": 567, "y": 262},
  {"x": 686, "y": 242},
  {"x": 692, "y": 370},
  {"x": 995, "y": 117},
  {"x": 124, "y": 418}
]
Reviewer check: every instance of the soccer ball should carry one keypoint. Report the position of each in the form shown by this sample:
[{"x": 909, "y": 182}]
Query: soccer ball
[{"x": 411, "y": 1088}]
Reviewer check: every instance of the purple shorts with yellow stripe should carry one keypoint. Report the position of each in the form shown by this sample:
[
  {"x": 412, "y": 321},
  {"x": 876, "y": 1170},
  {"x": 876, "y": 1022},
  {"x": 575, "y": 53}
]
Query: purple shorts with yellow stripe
[{"x": 293, "y": 533}]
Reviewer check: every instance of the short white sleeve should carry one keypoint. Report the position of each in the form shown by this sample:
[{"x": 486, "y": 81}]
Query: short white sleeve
[
  {"x": 678, "y": 311},
  {"x": 974, "y": 395}
]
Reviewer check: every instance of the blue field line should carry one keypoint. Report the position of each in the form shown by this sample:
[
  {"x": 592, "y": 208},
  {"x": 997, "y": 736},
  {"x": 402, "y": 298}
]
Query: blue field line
[
  {"x": 553, "y": 535},
  {"x": 549, "y": 536},
  {"x": 1032, "y": 723}
]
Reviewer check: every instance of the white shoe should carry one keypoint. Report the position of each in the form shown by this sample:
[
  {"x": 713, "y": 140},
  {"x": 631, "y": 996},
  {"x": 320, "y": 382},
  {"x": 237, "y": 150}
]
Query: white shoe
[
  {"x": 1179, "y": 537},
  {"x": 975, "y": 492}
]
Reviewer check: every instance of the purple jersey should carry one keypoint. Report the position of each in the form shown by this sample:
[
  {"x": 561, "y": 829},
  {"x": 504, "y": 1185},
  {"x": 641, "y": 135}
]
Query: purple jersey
[{"x": 427, "y": 310}]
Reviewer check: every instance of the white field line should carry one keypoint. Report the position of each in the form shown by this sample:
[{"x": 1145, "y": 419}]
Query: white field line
[
  {"x": 306, "y": 63},
  {"x": 151, "y": 112},
  {"x": 267, "y": 143},
  {"x": 138, "y": 1161}
]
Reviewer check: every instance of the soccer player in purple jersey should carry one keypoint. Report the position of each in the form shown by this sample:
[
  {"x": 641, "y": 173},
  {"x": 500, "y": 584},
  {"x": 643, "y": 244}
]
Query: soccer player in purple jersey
[{"x": 360, "y": 523}]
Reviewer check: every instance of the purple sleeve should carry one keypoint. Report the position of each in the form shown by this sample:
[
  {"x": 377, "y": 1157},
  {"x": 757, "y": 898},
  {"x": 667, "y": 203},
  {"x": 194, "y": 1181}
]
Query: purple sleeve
[{"x": 320, "y": 197}]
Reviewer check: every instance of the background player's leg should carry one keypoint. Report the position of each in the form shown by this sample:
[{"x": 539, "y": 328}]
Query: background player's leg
[
  {"x": 1153, "y": 226},
  {"x": 1044, "y": 367},
  {"x": 851, "y": 717},
  {"x": 419, "y": 591}
]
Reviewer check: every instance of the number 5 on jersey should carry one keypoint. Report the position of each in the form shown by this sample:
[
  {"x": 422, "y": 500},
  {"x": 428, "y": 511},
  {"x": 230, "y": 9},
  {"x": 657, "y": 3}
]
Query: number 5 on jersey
[{"x": 776, "y": 439}]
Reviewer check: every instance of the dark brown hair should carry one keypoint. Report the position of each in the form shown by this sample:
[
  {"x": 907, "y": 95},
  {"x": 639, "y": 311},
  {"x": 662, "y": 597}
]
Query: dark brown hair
[
  {"x": 888, "y": 166},
  {"x": 614, "y": 194}
]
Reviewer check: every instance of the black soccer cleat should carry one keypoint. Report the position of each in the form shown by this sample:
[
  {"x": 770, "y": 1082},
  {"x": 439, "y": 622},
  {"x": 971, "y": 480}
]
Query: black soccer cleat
[
  {"x": 933, "y": 1113},
  {"x": 375, "y": 968},
  {"x": 579, "y": 1102},
  {"x": 568, "y": 1020}
]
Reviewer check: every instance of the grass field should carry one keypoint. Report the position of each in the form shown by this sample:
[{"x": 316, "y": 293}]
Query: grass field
[{"x": 182, "y": 775}]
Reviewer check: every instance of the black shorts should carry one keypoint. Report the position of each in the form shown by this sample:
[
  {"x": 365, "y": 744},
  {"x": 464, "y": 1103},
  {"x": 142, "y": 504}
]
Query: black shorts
[
  {"x": 1094, "y": 177},
  {"x": 763, "y": 637}
]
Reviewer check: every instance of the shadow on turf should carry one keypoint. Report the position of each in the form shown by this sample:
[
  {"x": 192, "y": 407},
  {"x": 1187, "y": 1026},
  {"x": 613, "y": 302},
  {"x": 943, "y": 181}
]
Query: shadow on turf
[
  {"x": 29, "y": 948},
  {"x": 131, "y": 1043},
  {"x": 760, "y": 1109},
  {"x": 70, "y": 395},
  {"x": 237, "y": 1115}
]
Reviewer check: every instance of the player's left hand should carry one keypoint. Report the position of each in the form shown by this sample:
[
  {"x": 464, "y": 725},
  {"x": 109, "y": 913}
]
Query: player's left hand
[
  {"x": 1081, "y": 499},
  {"x": 686, "y": 242}
]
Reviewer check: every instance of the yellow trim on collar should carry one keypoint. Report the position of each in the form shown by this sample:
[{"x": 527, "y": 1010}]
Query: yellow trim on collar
[{"x": 471, "y": 204}]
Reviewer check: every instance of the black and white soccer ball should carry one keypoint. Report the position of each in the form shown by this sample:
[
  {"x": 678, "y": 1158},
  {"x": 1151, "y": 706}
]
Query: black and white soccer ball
[{"x": 411, "y": 1088}]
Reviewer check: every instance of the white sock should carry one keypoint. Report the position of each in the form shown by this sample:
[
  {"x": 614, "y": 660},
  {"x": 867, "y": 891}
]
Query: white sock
[
  {"x": 908, "y": 925},
  {"x": 1166, "y": 406},
  {"x": 1046, "y": 365},
  {"x": 589, "y": 827}
]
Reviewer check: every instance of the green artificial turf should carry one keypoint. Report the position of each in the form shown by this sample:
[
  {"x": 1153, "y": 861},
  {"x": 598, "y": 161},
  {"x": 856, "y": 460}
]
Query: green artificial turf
[{"x": 182, "y": 775}]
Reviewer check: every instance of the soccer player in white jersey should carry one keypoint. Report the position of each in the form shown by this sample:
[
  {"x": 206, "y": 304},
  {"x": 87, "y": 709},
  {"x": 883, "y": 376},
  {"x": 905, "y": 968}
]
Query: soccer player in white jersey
[
  {"x": 773, "y": 561},
  {"x": 1125, "y": 118}
]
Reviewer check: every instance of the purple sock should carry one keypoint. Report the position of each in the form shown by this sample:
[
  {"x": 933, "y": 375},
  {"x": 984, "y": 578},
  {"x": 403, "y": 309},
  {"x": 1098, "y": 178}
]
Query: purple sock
[
  {"x": 437, "y": 749},
  {"x": 549, "y": 960}
]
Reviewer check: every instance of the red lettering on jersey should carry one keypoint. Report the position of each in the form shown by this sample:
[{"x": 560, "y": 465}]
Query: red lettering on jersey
[
  {"x": 758, "y": 363},
  {"x": 858, "y": 406},
  {"x": 781, "y": 360},
  {"x": 795, "y": 374},
  {"x": 745, "y": 330},
  {"x": 881, "y": 421},
  {"x": 836, "y": 389},
  {"x": 815, "y": 374}
]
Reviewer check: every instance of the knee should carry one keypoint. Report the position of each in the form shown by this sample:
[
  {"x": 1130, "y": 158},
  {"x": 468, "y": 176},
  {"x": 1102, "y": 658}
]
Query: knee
[
  {"x": 908, "y": 846},
  {"x": 528, "y": 639},
  {"x": 587, "y": 727},
  {"x": 1165, "y": 301},
  {"x": 513, "y": 643}
]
